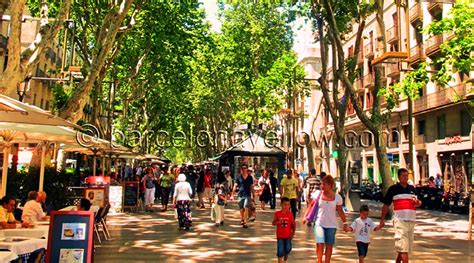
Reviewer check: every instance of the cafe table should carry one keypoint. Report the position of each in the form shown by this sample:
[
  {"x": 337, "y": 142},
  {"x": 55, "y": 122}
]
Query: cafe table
[
  {"x": 39, "y": 231},
  {"x": 22, "y": 245},
  {"x": 93, "y": 208},
  {"x": 7, "y": 256}
]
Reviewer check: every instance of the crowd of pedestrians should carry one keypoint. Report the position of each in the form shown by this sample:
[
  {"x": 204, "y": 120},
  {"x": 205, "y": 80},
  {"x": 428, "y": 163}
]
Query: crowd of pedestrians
[{"x": 200, "y": 187}]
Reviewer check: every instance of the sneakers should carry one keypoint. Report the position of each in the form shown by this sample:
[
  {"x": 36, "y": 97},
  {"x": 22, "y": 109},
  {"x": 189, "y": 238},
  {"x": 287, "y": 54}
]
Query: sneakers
[{"x": 252, "y": 219}]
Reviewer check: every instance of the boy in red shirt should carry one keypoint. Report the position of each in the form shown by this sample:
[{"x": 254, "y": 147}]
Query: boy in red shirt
[{"x": 286, "y": 227}]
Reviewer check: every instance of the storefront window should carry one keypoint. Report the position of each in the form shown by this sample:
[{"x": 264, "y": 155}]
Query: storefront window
[
  {"x": 466, "y": 123},
  {"x": 441, "y": 126}
]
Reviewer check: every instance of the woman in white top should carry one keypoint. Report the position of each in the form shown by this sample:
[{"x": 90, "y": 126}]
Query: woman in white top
[
  {"x": 330, "y": 203},
  {"x": 182, "y": 200}
]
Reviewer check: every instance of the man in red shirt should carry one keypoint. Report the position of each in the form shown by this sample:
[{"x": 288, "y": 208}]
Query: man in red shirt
[
  {"x": 286, "y": 227},
  {"x": 208, "y": 184},
  {"x": 405, "y": 202}
]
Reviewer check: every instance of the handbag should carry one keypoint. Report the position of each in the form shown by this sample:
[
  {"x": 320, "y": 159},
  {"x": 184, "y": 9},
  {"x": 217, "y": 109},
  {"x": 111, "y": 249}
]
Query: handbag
[{"x": 312, "y": 213}]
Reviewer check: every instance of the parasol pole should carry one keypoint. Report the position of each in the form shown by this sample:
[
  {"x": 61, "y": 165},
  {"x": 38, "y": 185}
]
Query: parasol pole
[
  {"x": 6, "y": 155},
  {"x": 94, "y": 163},
  {"x": 103, "y": 164},
  {"x": 41, "y": 179}
]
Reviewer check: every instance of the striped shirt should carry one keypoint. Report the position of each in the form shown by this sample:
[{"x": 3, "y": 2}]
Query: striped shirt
[{"x": 402, "y": 198}]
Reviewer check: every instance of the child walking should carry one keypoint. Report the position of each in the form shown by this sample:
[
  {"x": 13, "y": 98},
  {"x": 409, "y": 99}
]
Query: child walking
[
  {"x": 220, "y": 200},
  {"x": 362, "y": 227},
  {"x": 285, "y": 231}
]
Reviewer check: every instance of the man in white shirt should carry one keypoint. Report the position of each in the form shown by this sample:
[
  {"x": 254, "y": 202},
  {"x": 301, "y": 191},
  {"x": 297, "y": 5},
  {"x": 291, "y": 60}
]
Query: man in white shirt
[
  {"x": 32, "y": 211},
  {"x": 7, "y": 220}
]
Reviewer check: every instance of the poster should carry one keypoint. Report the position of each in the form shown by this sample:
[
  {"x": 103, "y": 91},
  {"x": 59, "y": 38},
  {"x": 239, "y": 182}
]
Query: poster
[
  {"x": 115, "y": 199},
  {"x": 96, "y": 196},
  {"x": 73, "y": 231},
  {"x": 71, "y": 255},
  {"x": 70, "y": 237}
]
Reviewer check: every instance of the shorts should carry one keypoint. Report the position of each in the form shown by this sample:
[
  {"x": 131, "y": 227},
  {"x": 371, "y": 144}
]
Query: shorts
[
  {"x": 244, "y": 202},
  {"x": 325, "y": 235},
  {"x": 283, "y": 247},
  {"x": 404, "y": 233},
  {"x": 362, "y": 248}
]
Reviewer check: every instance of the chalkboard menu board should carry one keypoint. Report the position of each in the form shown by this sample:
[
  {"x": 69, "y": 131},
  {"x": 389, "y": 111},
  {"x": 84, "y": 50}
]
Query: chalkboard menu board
[
  {"x": 70, "y": 236},
  {"x": 130, "y": 196}
]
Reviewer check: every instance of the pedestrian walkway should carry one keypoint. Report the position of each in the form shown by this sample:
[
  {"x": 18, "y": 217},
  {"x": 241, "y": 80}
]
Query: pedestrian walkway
[{"x": 154, "y": 237}]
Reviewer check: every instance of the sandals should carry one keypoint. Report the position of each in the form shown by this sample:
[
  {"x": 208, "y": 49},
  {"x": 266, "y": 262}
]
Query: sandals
[{"x": 245, "y": 225}]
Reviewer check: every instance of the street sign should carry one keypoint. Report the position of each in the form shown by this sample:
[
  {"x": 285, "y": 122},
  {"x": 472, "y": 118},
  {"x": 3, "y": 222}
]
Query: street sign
[{"x": 390, "y": 157}]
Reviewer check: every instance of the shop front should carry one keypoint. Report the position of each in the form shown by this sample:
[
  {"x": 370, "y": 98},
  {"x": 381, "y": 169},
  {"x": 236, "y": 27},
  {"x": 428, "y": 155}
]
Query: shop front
[{"x": 457, "y": 170}]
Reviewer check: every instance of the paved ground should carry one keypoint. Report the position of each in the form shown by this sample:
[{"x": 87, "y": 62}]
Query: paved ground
[{"x": 154, "y": 237}]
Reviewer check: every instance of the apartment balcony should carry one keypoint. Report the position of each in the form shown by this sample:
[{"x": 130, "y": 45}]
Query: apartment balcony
[
  {"x": 358, "y": 84},
  {"x": 369, "y": 50},
  {"x": 420, "y": 141},
  {"x": 432, "y": 45},
  {"x": 440, "y": 98},
  {"x": 416, "y": 54},
  {"x": 360, "y": 57},
  {"x": 392, "y": 70},
  {"x": 416, "y": 13},
  {"x": 448, "y": 36},
  {"x": 369, "y": 80},
  {"x": 392, "y": 35},
  {"x": 437, "y": 5}
]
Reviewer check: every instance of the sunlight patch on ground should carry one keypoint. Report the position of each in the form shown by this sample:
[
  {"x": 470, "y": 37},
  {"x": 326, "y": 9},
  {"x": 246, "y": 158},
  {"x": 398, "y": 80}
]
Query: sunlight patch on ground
[{"x": 190, "y": 241}]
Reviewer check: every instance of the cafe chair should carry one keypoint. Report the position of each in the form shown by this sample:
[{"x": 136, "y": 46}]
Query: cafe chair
[
  {"x": 103, "y": 221},
  {"x": 37, "y": 256},
  {"x": 98, "y": 226},
  {"x": 17, "y": 213}
]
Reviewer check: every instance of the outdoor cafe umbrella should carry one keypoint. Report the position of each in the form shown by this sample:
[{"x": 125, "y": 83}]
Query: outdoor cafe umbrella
[
  {"x": 23, "y": 123},
  {"x": 97, "y": 145},
  {"x": 31, "y": 133},
  {"x": 15, "y": 111}
]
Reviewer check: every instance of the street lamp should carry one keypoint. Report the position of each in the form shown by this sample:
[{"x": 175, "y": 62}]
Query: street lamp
[{"x": 23, "y": 87}]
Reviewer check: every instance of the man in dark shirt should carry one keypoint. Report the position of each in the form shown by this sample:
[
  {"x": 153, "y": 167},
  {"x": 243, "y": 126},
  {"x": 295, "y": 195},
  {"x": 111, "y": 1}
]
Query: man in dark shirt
[
  {"x": 245, "y": 184},
  {"x": 191, "y": 178}
]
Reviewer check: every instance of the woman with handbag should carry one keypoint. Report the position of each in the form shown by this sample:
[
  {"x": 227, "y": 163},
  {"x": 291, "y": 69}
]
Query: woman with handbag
[
  {"x": 322, "y": 211},
  {"x": 265, "y": 189}
]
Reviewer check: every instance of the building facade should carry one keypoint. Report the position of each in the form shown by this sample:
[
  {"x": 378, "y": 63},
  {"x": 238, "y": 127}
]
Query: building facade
[
  {"x": 35, "y": 90},
  {"x": 442, "y": 116}
]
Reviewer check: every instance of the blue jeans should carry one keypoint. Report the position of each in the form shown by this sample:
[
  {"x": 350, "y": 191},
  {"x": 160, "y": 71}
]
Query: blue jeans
[
  {"x": 325, "y": 235},
  {"x": 283, "y": 247},
  {"x": 362, "y": 248}
]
